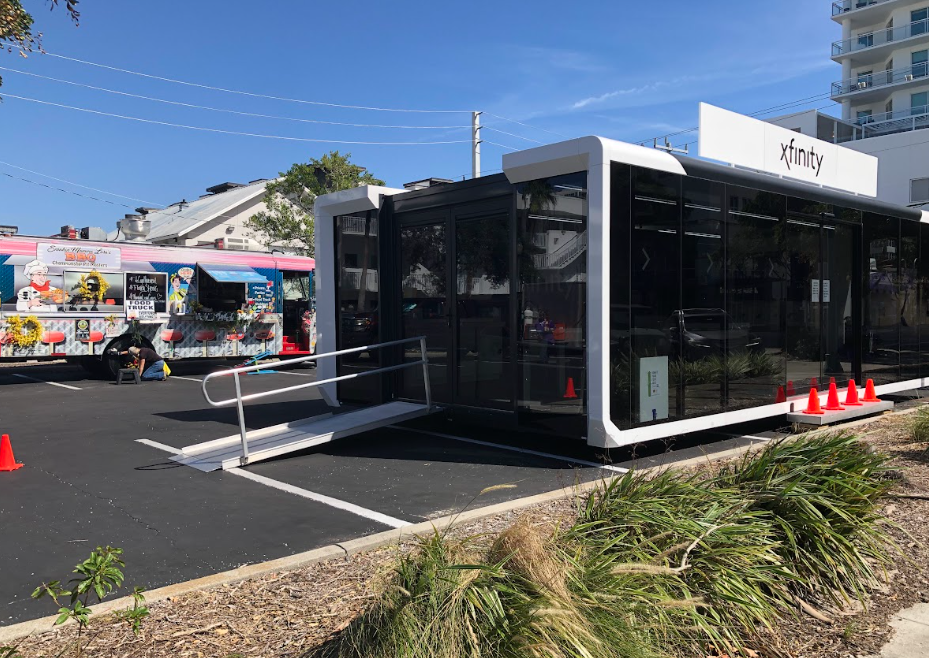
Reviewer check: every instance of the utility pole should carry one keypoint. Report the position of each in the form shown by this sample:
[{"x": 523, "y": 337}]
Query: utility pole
[{"x": 476, "y": 144}]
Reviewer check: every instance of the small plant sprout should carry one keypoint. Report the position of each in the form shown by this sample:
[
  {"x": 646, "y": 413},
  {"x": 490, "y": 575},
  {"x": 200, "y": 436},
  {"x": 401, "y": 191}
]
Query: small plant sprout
[{"x": 98, "y": 576}]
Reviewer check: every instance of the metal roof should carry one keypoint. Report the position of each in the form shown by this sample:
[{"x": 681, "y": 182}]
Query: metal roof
[{"x": 175, "y": 222}]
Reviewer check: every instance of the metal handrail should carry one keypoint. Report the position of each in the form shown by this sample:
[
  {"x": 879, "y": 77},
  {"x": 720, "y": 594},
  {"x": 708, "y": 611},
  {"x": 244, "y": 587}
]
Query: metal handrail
[
  {"x": 844, "y": 6},
  {"x": 239, "y": 398},
  {"x": 884, "y": 78},
  {"x": 880, "y": 37}
]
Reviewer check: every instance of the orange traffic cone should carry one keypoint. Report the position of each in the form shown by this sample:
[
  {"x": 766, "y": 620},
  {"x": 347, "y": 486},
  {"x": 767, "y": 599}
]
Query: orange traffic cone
[
  {"x": 832, "y": 380},
  {"x": 781, "y": 397},
  {"x": 869, "y": 395},
  {"x": 569, "y": 393},
  {"x": 851, "y": 398},
  {"x": 790, "y": 389},
  {"x": 7, "y": 462},
  {"x": 832, "y": 403},
  {"x": 812, "y": 407},
  {"x": 814, "y": 382}
]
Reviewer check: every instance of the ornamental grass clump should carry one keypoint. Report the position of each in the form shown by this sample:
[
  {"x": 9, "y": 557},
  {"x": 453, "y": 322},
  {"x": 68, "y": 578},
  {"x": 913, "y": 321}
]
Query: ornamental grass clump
[
  {"x": 820, "y": 498},
  {"x": 654, "y": 566},
  {"x": 919, "y": 425}
]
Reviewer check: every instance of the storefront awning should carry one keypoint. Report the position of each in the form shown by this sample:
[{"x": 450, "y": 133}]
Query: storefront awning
[{"x": 232, "y": 273}]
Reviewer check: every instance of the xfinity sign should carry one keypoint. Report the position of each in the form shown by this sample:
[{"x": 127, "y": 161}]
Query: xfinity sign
[{"x": 747, "y": 142}]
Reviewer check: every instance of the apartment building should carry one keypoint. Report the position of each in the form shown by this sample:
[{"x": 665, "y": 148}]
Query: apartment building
[{"x": 883, "y": 91}]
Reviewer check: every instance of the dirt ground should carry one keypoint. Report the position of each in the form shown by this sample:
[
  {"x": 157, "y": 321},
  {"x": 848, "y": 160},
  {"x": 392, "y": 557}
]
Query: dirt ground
[{"x": 282, "y": 615}]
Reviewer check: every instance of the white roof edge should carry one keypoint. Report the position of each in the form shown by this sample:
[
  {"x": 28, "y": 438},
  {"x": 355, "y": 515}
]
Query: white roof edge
[
  {"x": 582, "y": 154},
  {"x": 925, "y": 218},
  {"x": 356, "y": 199},
  {"x": 259, "y": 190}
]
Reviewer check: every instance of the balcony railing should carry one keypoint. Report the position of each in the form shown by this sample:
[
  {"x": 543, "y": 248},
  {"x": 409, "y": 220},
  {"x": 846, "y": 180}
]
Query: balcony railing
[
  {"x": 356, "y": 226},
  {"x": 843, "y": 6},
  {"x": 564, "y": 256},
  {"x": 880, "y": 79},
  {"x": 887, "y": 123},
  {"x": 880, "y": 38}
]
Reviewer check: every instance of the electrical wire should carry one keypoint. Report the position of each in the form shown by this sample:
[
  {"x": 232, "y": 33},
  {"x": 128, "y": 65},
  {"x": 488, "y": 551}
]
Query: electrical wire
[
  {"x": 503, "y": 146},
  {"x": 526, "y": 125},
  {"x": 233, "y": 132},
  {"x": 85, "y": 196},
  {"x": 62, "y": 180},
  {"x": 503, "y": 132},
  {"x": 218, "y": 109},
  {"x": 249, "y": 93}
]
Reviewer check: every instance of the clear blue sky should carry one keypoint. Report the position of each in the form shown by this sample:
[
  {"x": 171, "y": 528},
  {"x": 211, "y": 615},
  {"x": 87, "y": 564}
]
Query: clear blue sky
[{"x": 625, "y": 70}]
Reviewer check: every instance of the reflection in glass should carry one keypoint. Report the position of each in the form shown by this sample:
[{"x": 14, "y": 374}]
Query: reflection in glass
[
  {"x": 483, "y": 312},
  {"x": 881, "y": 312},
  {"x": 909, "y": 300},
  {"x": 757, "y": 277},
  {"x": 357, "y": 298},
  {"x": 552, "y": 265},
  {"x": 424, "y": 308}
]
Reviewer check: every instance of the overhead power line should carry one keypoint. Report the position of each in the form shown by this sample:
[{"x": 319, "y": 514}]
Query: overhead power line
[
  {"x": 219, "y": 109},
  {"x": 503, "y": 146},
  {"x": 503, "y": 132},
  {"x": 526, "y": 125},
  {"x": 232, "y": 132},
  {"x": 94, "y": 189},
  {"x": 249, "y": 93},
  {"x": 59, "y": 189}
]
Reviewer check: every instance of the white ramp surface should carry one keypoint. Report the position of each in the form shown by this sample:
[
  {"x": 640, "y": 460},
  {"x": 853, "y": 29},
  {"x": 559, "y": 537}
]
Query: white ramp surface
[{"x": 226, "y": 453}]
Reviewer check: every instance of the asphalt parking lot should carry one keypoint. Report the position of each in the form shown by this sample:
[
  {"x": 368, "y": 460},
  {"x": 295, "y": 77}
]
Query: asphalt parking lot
[{"x": 97, "y": 472}]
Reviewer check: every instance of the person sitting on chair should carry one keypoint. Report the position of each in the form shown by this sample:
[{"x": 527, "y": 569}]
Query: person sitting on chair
[{"x": 156, "y": 364}]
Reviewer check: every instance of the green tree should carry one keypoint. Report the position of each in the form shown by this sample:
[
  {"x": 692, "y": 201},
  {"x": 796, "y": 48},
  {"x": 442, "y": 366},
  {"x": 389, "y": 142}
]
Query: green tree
[
  {"x": 16, "y": 26},
  {"x": 288, "y": 220}
]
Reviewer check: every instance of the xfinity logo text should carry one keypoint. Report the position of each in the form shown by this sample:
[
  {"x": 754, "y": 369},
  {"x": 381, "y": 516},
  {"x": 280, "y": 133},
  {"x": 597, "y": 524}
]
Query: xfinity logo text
[{"x": 801, "y": 157}]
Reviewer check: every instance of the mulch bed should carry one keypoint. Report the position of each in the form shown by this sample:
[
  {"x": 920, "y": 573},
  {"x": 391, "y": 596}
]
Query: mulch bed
[{"x": 282, "y": 615}]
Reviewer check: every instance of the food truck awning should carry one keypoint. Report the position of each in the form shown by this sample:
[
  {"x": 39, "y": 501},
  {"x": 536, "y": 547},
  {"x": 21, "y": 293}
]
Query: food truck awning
[{"x": 232, "y": 273}]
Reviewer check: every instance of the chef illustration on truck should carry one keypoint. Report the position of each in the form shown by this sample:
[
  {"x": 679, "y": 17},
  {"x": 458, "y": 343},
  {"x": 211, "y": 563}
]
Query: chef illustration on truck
[{"x": 39, "y": 295}]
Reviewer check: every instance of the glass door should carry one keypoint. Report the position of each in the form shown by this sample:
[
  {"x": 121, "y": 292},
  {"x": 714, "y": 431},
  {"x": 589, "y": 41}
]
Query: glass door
[
  {"x": 424, "y": 307},
  {"x": 483, "y": 322}
]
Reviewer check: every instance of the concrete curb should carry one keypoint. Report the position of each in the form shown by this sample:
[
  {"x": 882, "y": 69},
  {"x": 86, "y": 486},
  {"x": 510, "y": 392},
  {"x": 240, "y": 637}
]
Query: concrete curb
[{"x": 684, "y": 459}]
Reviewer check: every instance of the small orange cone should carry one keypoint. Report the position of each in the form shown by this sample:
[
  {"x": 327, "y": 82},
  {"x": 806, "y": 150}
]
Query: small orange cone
[
  {"x": 869, "y": 395},
  {"x": 569, "y": 393},
  {"x": 832, "y": 380},
  {"x": 814, "y": 382},
  {"x": 851, "y": 398},
  {"x": 781, "y": 397},
  {"x": 7, "y": 462},
  {"x": 832, "y": 403},
  {"x": 812, "y": 407},
  {"x": 790, "y": 389}
]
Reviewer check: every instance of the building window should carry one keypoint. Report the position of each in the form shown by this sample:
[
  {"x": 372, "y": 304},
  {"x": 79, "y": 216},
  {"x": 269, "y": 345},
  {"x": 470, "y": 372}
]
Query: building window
[
  {"x": 920, "y": 63},
  {"x": 919, "y": 190},
  {"x": 864, "y": 79},
  {"x": 920, "y": 21},
  {"x": 864, "y": 116},
  {"x": 866, "y": 40},
  {"x": 919, "y": 103}
]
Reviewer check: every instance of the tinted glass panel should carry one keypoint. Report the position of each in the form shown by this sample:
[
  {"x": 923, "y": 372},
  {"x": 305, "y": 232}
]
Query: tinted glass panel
[
  {"x": 424, "y": 307},
  {"x": 655, "y": 295},
  {"x": 485, "y": 373},
  {"x": 552, "y": 296},
  {"x": 705, "y": 336},
  {"x": 909, "y": 300},
  {"x": 881, "y": 313},
  {"x": 757, "y": 277},
  {"x": 621, "y": 371},
  {"x": 357, "y": 296},
  {"x": 803, "y": 311}
]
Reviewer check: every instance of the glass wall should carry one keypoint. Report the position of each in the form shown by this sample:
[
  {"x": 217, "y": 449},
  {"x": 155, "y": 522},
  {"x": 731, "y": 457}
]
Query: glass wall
[
  {"x": 725, "y": 297},
  {"x": 551, "y": 216},
  {"x": 881, "y": 313},
  {"x": 757, "y": 280},
  {"x": 357, "y": 297}
]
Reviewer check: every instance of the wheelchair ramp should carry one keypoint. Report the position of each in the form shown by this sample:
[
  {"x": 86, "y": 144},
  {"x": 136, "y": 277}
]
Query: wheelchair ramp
[{"x": 226, "y": 453}]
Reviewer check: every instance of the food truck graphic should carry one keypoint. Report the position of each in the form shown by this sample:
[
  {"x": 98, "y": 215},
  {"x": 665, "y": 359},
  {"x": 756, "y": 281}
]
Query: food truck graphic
[{"x": 77, "y": 299}]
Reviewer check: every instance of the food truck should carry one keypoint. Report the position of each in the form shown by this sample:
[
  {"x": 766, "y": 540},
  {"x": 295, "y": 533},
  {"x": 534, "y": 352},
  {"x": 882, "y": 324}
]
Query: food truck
[
  {"x": 616, "y": 293},
  {"x": 77, "y": 299}
]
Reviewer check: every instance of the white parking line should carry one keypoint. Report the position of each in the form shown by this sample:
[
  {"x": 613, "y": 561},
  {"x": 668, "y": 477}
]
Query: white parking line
[
  {"x": 189, "y": 379},
  {"x": 562, "y": 458},
  {"x": 160, "y": 446},
  {"x": 42, "y": 381},
  {"x": 297, "y": 491},
  {"x": 320, "y": 498}
]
